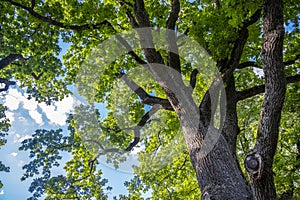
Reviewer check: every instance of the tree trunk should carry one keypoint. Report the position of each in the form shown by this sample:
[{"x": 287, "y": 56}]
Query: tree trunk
[
  {"x": 260, "y": 160},
  {"x": 217, "y": 169}
]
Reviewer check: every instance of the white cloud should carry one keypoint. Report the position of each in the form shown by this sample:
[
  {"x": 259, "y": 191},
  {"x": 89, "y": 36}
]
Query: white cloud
[
  {"x": 36, "y": 116},
  {"x": 57, "y": 113},
  {"x": 13, "y": 99},
  {"x": 16, "y": 137},
  {"x": 30, "y": 104},
  {"x": 136, "y": 150},
  {"x": 14, "y": 154},
  {"x": 21, "y": 139},
  {"x": 10, "y": 116},
  {"x": 1, "y": 192},
  {"x": 21, "y": 163}
]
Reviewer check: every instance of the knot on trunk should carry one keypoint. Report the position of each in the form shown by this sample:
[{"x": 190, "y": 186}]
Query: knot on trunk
[
  {"x": 254, "y": 164},
  {"x": 205, "y": 196}
]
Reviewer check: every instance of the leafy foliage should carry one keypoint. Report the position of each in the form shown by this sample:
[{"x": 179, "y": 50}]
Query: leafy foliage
[
  {"x": 80, "y": 180},
  {"x": 165, "y": 170}
]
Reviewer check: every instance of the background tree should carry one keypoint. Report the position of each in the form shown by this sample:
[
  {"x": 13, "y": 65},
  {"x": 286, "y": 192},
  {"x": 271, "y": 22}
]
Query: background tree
[{"x": 240, "y": 36}]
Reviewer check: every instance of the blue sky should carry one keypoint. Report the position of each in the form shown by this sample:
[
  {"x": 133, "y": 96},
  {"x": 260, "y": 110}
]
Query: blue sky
[{"x": 26, "y": 116}]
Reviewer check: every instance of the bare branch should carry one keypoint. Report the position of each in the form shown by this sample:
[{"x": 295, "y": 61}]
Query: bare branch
[
  {"x": 135, "y": 141},
  {"x": 129, "y": 15},
  {"x": 37, "y": 77},
  {"x": 57, "y": 23},
  {"x": 145, "y": 97},
  {"x": 132, "y": 20},
  {"x": 241, "y": 95},
  {"x": 32, "y": 4}
]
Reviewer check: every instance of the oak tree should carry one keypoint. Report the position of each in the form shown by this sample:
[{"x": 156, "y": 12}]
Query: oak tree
[{"x": 256, "y": 155}]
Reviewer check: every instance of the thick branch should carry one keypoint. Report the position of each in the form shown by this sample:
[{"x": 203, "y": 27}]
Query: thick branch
[
  {"x": 245, "y": 94},
  {"x": 145, "y": 97},
  {"x": 171, "y": 38},
  {"x": 145, "y": 34},
  {"x": 263, "y": 186},
  {"x": 57, "y": 23},
  {"x": 9, "y": 59},
  {"x": 141, "y": 14},
  {"x": 239, "y": 44},
  {"x": 173, "y": 17}
]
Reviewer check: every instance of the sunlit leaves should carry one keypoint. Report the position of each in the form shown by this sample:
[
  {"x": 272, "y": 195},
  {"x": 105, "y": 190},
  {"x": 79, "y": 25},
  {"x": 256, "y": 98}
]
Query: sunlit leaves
[{"x": 165, "y": 171}]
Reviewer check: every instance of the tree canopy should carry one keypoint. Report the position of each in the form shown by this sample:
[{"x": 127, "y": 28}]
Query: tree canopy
[{"x": 115, "y": 56}]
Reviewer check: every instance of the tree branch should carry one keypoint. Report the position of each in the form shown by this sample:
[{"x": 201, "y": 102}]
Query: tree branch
[
  {"x": 131, "y": 18},
  {"x": 254, "y": 18},
  {"x": 145, "y": 97},
  {"x": 242, "y": 95},
  {"x": 254, "y": 64},
  {"x": 239, "y": 44},
  {"x": 171, "y": 38},
  {"x": 130, "y": 51},
  {"x": 291, "y": 62},
  {"x": 193, "y": 78},
  {"x": 145, "y": 34},
  {"x": 51, "y": 21},
  {"x": 140, "y": 125},
  {"x": 173, "y": 17},
  {"x": 141, "y": 14},
  {"x": 136, "y": 140},
  {"x": 7, "y": 84},
  {"x": 9, "y": 59},
  {"x": 248, "y": 64}
]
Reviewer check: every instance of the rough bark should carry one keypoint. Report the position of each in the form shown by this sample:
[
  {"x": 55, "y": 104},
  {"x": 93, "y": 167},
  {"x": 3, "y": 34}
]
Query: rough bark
[
  {"x": 259, "y": 161},
  {"x": 218, "y": 172}
]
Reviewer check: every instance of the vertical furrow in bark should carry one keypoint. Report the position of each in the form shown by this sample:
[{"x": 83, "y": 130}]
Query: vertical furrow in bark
[{"x": 259, "y": 161}]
